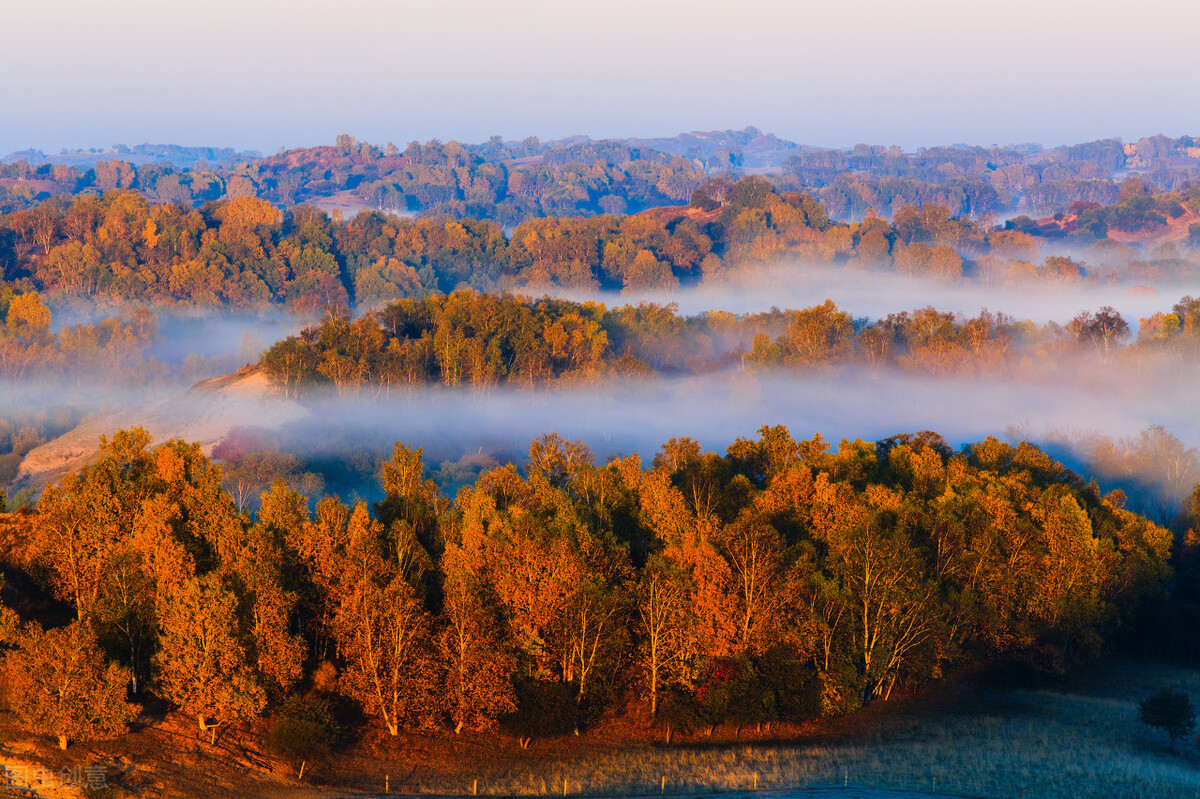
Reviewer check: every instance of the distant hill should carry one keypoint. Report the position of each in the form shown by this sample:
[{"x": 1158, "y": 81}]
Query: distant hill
[
  {"x": 510, "y": 181},
  {"x": 746, "y": 149},
  {"x": 175, "y": 154}
]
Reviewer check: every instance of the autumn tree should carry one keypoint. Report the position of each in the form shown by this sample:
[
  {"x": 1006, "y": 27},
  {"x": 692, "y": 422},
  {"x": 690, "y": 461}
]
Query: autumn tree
[
  {"x": 754, "y": 551},
  {"x": 62, "y": 686},
  {"x": 74, "y": 545},
  {"x": 262, "y": 573},
  {"x": 250, "y": 463},
  {"x": 412, "y": 503},
  {"x": 688, "y": 544},
  {"x": 891, "y": 609},
  {"x": 473, "y": 648},
  {"x": 1104, "y": 330},
  {"x": 818, "y": 337},
  {"x": 202, "y": 662},
  {"x": 668, "y": 629},
  {"x": 380, "y": 626}
]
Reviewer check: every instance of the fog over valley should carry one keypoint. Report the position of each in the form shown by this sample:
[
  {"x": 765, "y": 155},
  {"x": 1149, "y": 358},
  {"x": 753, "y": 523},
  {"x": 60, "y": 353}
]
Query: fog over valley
[
  {"x": 463, "y": 430},
  {"x": 632, "y": 399},
  {"x": 875, "y": 294}
]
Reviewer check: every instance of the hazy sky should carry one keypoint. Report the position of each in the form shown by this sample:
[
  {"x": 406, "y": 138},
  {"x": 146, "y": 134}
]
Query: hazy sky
[{"x": 263, "y": 73}]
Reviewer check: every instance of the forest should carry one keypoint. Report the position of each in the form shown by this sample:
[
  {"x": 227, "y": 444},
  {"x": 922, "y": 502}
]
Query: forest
[
  {"x": 246, "y": 253},
  {"x": 480, "y": 340},
  {"x": 781, "y": 579},
  {"x": 512, "y": 181},
  {"x": 385, "y": 563}
]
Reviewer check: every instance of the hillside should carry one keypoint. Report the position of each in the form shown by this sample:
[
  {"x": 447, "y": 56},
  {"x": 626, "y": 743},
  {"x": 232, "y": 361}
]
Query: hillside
[
  {"x": 204, "y": 414},
  {"x": 510, "y": 181}
]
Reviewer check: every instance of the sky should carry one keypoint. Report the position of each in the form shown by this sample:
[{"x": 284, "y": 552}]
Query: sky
[{"x": 266, "y": 74}]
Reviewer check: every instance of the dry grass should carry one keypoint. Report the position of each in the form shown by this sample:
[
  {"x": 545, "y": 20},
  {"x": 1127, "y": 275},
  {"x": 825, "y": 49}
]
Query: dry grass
[
  {"x": 1083, "y": 741},
  {"x": 1080, "y": 742}
]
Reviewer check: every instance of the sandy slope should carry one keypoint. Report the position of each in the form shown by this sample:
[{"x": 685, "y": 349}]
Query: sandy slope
[{"x": 203, "y": 414}]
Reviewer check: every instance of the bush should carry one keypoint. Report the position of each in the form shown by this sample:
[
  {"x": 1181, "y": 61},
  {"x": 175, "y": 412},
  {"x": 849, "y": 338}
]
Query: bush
[
  {"x": 735, "y": 692},
  {"x": 1169, "y": 710},
  {"x": 305, "y": 729},
  {"x": 794, "y": 682},
  {"x": 679, "y": 710},
  {"x": 544, "y": 708}
]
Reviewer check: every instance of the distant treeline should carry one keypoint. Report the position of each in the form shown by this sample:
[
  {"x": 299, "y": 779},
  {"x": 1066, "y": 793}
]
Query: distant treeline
[
  {"x": 174, "y": 154},
  {"x": 511, "y": 181},
  {"x": 469, "y": 338},
  {"x": 245, "y": 252},
  {"x": 982, "y": 180},
  {"x": 777, "y": 580},
  {"x": 436, "y": 179},
  {"x": 480, "y": 340}
]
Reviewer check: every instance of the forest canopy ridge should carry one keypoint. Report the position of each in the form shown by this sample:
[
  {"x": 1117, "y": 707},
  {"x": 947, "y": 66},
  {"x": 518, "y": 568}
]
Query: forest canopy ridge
[
  {"x": 781, "y": 579},
  {"x": 482, "y": 340},
  {"x": 510, "y": 180}
]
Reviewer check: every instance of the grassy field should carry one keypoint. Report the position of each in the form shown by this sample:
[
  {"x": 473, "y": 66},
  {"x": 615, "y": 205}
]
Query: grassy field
[{"x": 1082, "y": 740}]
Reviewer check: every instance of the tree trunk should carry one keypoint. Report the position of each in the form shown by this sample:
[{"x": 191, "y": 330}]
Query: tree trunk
[{"x": 133, "y": 670}]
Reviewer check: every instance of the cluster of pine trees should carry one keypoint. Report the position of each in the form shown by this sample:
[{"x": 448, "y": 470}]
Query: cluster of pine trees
[{"x": 777, "y": 580}]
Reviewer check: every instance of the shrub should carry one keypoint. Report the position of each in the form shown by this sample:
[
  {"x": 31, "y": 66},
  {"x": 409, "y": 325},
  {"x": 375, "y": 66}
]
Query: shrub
[
  {"x": 734, "y": 692},
  {"x": 1169, "y": 710},
  {"x": 794, "y": 682},
  {"x": 305, "y": 729},
  {"x": 679, "y": 710},
  {"x": 544, "y": 708}
]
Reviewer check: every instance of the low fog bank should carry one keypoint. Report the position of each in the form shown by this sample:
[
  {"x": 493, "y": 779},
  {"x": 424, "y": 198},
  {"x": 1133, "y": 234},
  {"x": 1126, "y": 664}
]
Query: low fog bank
[
  {"x": 203, "y": 414},
  {"x": 876, "y": 294},
  {"x": 621, "y": 417},
  {"x": 343, "y": 438},
  {"x": 80, "y": 396},
  {"x": 191, "y": 343},
  {"x": 235, "y": 337},
  {"x": 462, "y": 432}
]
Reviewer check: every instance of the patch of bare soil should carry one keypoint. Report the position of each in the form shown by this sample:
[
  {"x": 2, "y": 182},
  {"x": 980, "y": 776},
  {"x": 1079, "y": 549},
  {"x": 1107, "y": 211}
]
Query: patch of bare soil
[
  {"x": 162, "y": 757},
  {"x": 347, "y": 203}
]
